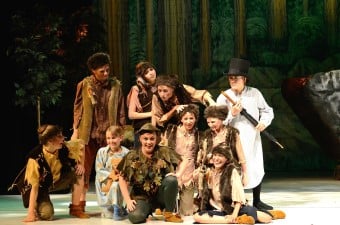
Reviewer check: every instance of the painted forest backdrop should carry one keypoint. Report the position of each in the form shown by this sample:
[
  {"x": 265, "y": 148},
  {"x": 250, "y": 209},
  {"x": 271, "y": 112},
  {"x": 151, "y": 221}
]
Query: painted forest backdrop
[{"x": 49, "y": 42}]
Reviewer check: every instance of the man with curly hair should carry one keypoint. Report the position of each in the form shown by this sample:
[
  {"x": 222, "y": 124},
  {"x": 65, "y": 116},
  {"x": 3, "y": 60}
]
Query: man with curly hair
[{"x": 98, "y": 104}]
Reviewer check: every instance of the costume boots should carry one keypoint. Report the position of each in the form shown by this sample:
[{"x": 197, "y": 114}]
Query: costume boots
[
  {"x": 171, "y": 217},
  {"x": 257, "y": 201},
  {"x": 77, "y": 211},
  {"x": 82, "y": 204},
  {"x": 277, "y": 214}
]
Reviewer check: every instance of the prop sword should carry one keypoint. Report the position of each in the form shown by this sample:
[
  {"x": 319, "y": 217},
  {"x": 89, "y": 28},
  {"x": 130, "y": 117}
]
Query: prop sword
[{"x": 253, "y": 121}]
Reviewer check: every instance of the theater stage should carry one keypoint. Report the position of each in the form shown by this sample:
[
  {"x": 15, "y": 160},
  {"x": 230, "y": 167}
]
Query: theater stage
[{"x": 307, "y": 200}]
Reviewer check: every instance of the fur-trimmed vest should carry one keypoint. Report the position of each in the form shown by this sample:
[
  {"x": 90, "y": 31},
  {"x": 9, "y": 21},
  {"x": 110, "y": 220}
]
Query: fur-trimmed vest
[
  {"x": 45, "y": 173},
  {"x": 170, "y": 136},
  {"x": 88, "y": 106},
  {"x": 46, "y": 178},
  {"x": 224, "y": 188},
  {"x": 230, "y": 139}
]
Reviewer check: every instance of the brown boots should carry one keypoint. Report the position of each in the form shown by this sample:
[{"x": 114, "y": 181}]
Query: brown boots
[
  {"x": 82, "y": 204},
  {"x": 277, "y": 214},
  {"x": 77, "y": 211},
  {"x": 171, "y": 217}
]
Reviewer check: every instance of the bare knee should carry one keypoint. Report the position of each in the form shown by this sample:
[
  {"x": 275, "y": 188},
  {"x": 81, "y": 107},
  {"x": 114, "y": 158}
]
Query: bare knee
[{"x": 263, "y": 217}]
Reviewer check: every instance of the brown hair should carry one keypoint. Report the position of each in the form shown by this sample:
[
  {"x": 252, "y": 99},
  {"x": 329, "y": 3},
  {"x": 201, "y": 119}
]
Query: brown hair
[
  {"x": 142, "y": 68},
  {"x": 168, "y": 80},
  {"x": 47, "y": 131},
  {"x": 223, "y": 149},
  {"x": 220, "y": 112},
  {"x": 191, "y": 108},
  {"x": 172, "y": 81}
]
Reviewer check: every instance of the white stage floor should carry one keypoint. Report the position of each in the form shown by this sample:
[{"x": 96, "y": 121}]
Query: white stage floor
[{"x": 306, "y": 201}]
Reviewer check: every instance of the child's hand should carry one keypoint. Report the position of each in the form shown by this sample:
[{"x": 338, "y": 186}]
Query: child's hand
[
  {"x": 114, "y": 175},
  {"x": 80, "y": 169},
  {"x": 31, "y": 217},
  {"x": 131, "y": 205},
  {"x": 179, "y": 108}
]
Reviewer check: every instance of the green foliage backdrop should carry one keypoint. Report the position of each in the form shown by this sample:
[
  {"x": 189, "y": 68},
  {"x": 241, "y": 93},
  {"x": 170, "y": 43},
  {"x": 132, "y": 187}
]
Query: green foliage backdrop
[{"x": 306, "y": 49}]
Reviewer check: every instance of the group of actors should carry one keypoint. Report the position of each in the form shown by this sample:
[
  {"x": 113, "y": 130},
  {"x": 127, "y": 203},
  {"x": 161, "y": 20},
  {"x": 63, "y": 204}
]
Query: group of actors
[{"x": 172, "y": 169}]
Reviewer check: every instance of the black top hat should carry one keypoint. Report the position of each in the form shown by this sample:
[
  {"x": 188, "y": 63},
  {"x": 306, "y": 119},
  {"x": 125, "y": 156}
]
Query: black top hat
[
  {"x": 148, "y": 127},
  {"x": 238, "y": 67}
]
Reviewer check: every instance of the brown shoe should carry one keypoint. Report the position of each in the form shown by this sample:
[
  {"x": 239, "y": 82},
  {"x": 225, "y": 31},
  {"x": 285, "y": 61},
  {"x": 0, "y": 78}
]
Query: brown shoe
[
  {"x": 171, "y": 217},
  {"x": 82, "y": 204},
  {"x": 244, "y": 219},
  {"x": 77, "y": 211},
  {"x": 277, "y": 214}
]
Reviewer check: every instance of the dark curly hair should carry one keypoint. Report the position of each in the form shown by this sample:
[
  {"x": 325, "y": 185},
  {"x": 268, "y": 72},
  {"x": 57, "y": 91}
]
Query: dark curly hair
[{"x": 97, "y": 60}]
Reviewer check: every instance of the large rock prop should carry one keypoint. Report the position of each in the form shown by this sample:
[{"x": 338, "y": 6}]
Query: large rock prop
[{"x": 316, "y": 101}]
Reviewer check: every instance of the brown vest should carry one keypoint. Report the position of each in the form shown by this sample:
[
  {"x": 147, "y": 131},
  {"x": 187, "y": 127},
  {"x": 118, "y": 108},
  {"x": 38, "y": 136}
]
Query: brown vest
[{"x": 88, "y": 108}]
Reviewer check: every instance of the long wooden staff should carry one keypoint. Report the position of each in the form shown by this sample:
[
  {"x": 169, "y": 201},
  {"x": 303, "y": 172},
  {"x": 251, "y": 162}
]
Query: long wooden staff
[{"x": 253, "y": 120}]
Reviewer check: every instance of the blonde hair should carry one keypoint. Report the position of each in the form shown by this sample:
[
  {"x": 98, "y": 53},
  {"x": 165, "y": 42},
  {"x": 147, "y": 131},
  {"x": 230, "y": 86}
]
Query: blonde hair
[{"x": 115, "y": 130}]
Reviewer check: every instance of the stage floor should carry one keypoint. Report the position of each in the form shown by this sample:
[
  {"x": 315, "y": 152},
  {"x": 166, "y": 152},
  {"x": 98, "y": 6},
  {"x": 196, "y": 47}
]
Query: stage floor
[{"x": 306, "y": 201}]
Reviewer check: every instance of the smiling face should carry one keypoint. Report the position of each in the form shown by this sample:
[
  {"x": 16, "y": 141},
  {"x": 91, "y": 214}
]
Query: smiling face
[
  {"x": 219, "y": 160},
  {"x": 188, "y": 121},
  {"x": 165, "y": 92},
  {"x": 215, "y": 124},
  {"x": 148, "y": 142},
  {"x": 113, "y": 140}
]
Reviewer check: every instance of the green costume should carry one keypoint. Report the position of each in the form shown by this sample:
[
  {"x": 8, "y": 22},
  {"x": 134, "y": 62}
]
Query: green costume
[{"x": 149, "y": 185}]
